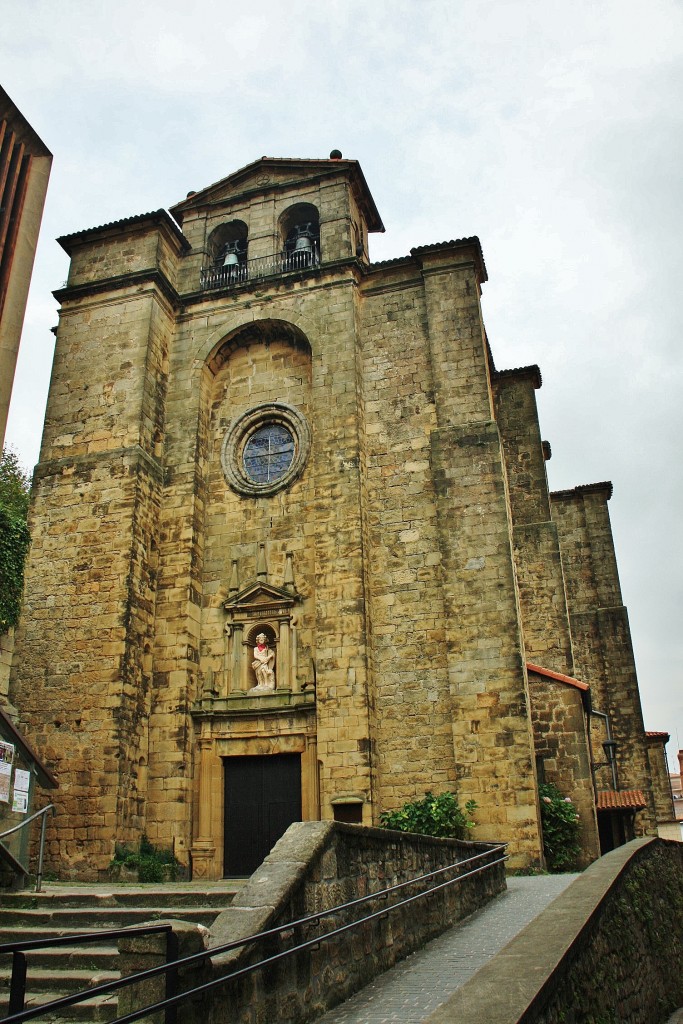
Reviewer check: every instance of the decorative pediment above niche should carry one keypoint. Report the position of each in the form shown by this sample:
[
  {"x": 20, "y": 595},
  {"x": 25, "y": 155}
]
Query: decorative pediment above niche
[
  {"x": 260, "y": 597},
  {"x": 261, "y": 626}
]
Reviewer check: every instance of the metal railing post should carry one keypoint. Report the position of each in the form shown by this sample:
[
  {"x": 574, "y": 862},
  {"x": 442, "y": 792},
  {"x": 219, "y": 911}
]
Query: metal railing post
[
  {"x": 171, "y": 1012},
  {"x": 41, "y": 851},
  {"x": 23, "y": 824},
  {"x": 17, "y": 989}
]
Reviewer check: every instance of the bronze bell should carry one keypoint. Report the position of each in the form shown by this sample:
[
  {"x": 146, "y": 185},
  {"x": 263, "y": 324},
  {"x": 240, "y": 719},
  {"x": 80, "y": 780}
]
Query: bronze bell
[
  {"x": 231, "y": 257},
  {"x": 303, "y": 245}
]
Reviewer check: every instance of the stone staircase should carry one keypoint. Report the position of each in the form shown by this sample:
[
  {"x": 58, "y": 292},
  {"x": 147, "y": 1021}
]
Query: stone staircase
[{"x": 63, "y": 909}]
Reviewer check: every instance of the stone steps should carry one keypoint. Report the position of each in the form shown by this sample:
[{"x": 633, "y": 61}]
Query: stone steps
[
  {"x": 88, "y": 957},
  {"x": 99, "y": 1008},
  {"x": 65, "y": 979},
  {"x": 63, "y": 910},
  {"x": 72, "y": 919}
]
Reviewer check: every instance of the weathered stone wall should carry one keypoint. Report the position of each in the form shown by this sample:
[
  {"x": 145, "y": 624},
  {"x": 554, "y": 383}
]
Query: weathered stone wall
[
  {"x": 82, "y": 670},
  {"x": 603, "y": 651},
  {"x": 412, "y": 741},
  {"x": 268, "y": 369},
  {"x": 607, "y": 951},
  {"x": 561, "y": 742},
  {"x": 320, "y": 865},
  {"x": 6, "y": 651},
  {"x": 659, "y": 773},
  {"x": 543, "y": 602},
  {"x": 424, "y": 557}
]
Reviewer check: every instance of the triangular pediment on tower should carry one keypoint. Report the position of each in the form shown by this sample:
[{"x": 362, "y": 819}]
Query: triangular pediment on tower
[
  {"x": 274, "y": 173},
  {"x": 259, "y": 595}
]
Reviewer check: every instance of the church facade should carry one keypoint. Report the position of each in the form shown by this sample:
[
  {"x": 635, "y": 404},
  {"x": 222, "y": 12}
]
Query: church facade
[{"x": 294, "y": 553}]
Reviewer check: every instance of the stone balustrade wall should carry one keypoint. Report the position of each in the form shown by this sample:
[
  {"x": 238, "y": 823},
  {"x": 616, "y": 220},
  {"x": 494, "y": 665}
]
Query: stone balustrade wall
[
  {"x": 607, "y": 951},
  {"x": 319, "y": 865}
]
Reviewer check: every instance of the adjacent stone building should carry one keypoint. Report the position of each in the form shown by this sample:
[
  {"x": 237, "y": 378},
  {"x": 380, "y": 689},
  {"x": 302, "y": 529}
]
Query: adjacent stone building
[
  {"x": 25, "y": 163},
  {"x": 294, "y": 554}
]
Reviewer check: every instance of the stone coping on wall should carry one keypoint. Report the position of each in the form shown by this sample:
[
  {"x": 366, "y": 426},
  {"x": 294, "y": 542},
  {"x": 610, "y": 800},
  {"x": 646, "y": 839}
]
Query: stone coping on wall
[
  {"x": 320, "y": 865},
  {"x": 268, "y": 892},
  {"x": 519, "y": 984}
]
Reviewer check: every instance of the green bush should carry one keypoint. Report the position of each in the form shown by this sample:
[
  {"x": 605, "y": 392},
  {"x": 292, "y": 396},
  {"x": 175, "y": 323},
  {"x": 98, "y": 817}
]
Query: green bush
[
  {"x": 561, "y": 828},
  {"x": 14, "y": 537},
  {"x": 152, "y": 863},
  {"x": 433, "y": 816}
]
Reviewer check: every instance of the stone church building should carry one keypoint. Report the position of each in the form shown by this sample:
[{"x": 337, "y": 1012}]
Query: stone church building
[{"x": 294, "y": 553}]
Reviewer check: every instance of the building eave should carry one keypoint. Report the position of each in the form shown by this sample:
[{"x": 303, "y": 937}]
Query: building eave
[
  {"x": 604, "y": 488},
  {"x": 157, "y": 218}
]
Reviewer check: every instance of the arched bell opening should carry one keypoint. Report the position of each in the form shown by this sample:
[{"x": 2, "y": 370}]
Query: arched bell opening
[
  {"x": 300, "y": 236},
  {"x": 227, "y": 248}
]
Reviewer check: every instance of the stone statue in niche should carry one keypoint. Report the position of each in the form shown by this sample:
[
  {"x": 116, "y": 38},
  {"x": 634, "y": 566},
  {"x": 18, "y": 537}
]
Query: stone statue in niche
[{"x": 263, "y": 664}]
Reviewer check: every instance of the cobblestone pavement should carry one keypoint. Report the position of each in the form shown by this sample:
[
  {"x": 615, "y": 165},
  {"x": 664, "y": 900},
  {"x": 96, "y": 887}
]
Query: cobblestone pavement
[{"x": 414, "y": 988}]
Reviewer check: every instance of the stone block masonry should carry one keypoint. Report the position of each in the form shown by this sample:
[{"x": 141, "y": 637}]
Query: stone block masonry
[
  {"x": 609, "y": 948},
  {"x": 318, "y": 866},
  {"x": 322, "y": 453}
]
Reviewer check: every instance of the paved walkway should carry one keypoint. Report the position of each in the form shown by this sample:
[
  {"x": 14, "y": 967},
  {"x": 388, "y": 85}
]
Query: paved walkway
[{"x": 411, "y": 991}]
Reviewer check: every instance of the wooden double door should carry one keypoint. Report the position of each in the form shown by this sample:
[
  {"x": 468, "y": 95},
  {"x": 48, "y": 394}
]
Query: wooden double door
[{"x": 262, "y": 799}]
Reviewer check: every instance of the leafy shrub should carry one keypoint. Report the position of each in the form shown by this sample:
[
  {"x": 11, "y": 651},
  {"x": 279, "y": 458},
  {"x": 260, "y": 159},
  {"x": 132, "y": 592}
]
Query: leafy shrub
[
  {"x": 14, "y": 537},
  {"x": 152, "y": 863},
  {"x": 561, "y": 827},
  {"x": 433, "y": 816}
]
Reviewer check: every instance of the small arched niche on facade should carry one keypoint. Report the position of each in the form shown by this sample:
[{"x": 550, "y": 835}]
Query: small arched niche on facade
[
  {"x": 262, "y": 641},
  {"x": 261, "y": 634}
]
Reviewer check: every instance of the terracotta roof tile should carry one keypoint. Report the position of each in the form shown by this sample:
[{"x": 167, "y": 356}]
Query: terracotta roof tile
[
  {"x": 623, "y": 800},
  {"x": 558, "y": 676},
  {"x": 658, "y": 736}
]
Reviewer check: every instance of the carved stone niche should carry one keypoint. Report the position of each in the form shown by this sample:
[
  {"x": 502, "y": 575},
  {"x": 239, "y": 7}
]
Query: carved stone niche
[{"x": 261, "y": 607}]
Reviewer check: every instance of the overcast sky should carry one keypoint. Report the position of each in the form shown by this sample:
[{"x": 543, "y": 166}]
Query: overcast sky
[{"x": 550, "y": 130}]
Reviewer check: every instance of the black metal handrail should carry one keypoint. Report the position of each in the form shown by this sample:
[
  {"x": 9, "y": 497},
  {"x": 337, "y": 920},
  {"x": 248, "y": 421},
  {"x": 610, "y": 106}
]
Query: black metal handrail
[
  {"x": 41, "y": 850},
  {"x": 17, "y": 994},
  {"x": 169, "y": 1004}
]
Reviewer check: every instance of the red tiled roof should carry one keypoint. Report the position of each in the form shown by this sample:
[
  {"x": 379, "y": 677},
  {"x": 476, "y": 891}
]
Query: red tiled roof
[
  {"x": 658, "y": 736},
  {"x": 558, "y": 676},
  {"x": 623, "y": 800}
]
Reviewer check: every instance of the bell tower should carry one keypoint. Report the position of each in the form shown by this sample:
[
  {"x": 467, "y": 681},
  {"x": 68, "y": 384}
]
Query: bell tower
[{"x": 275, "y": 217}]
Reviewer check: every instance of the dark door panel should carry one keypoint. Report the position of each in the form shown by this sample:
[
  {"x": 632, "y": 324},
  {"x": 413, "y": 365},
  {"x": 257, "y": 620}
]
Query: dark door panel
[{"x": 262, "y": 799}]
